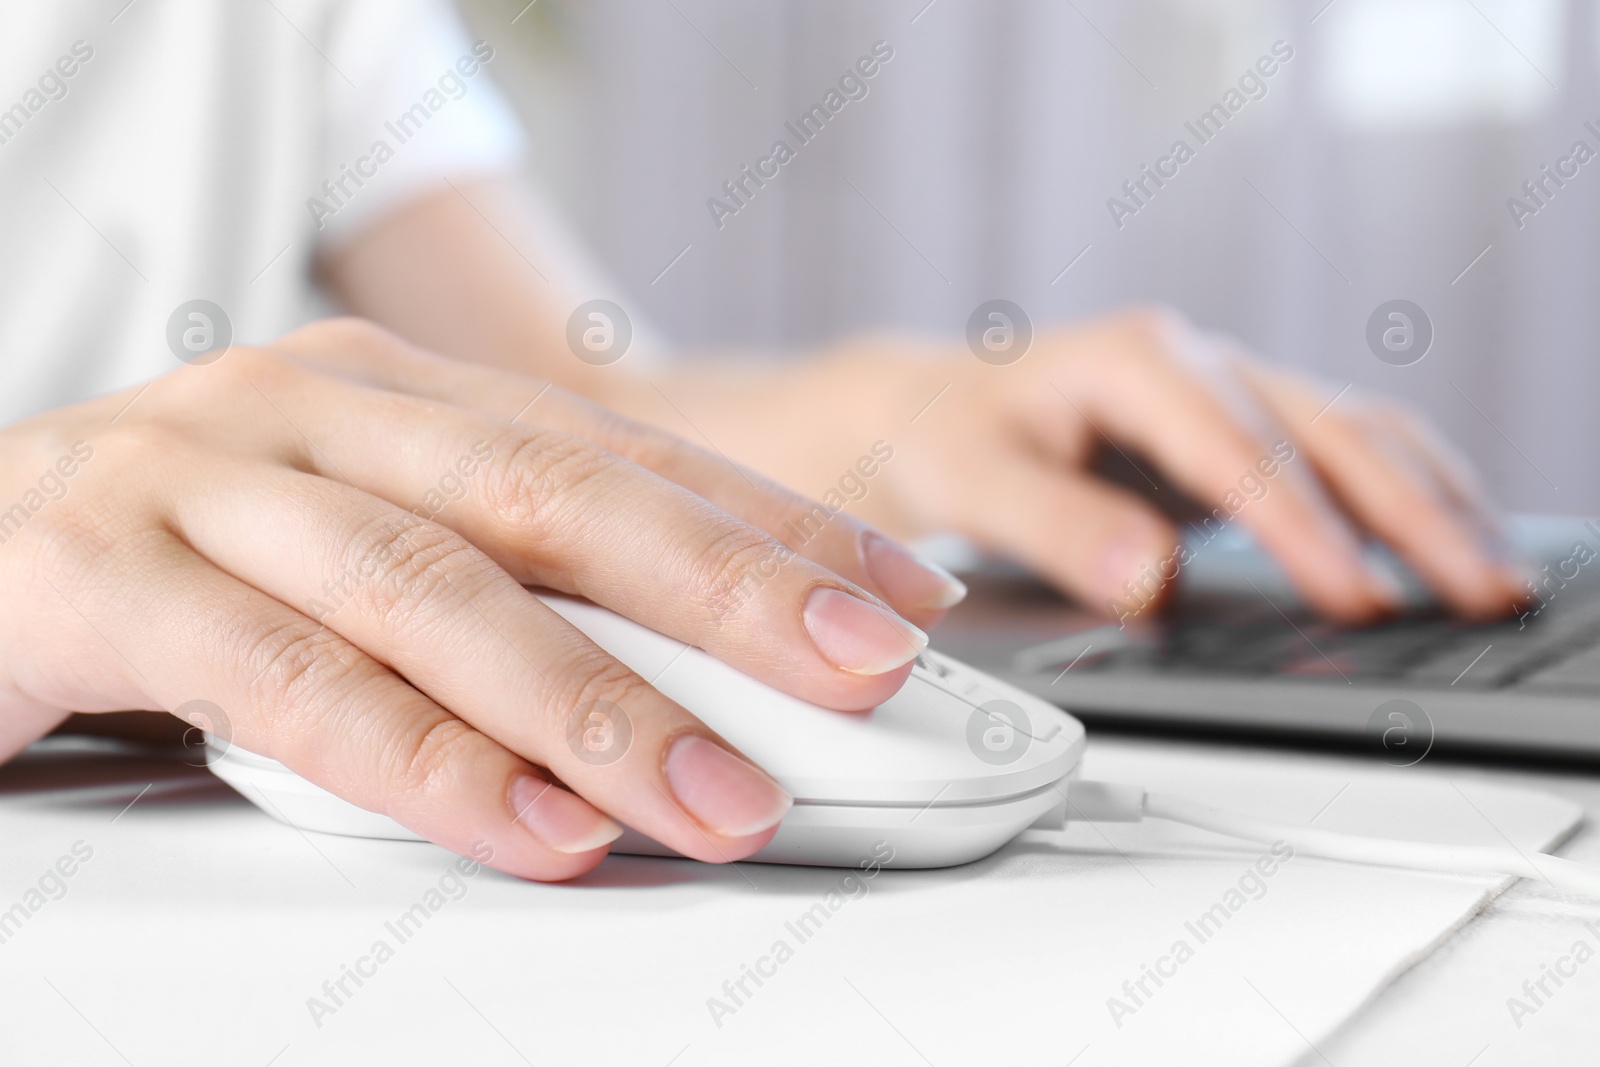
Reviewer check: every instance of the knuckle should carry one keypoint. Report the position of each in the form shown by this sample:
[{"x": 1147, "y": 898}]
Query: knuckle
[
  {"x": 1145, "y": 345},
  {"x": 299, "y": 672},
  {"x": 230, "y": 381},
  {"x": 143, "y": 445},
  {"x": 346, "y": 333},
  {"x": 735, "y": 556},
  {"x": 430, "y": 763},
  {"x": 406, "y": 573},
  {"x": 242, "y": 361},
  {"x": 535, "y": 483},
  {"x": 122, "y": 467},
  {"x": 587, "y": 674}
]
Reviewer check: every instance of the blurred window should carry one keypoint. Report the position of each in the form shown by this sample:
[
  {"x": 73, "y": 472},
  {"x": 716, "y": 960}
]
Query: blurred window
[{"x": 1410, "y": 63}]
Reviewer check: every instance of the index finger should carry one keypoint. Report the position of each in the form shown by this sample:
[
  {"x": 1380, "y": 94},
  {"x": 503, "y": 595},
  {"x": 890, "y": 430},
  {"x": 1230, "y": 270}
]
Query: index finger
[{"x": 820, "y": 531}]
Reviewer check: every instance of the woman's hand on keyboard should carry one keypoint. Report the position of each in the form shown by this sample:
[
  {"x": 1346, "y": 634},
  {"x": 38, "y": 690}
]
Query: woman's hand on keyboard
[{"x": 1009, "y": 451}]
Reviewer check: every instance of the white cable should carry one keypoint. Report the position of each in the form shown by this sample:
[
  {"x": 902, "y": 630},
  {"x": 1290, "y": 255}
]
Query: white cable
[{"x": 1110, "y": 802}]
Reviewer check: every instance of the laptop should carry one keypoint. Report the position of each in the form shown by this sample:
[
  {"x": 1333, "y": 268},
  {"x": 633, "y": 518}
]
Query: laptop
[{"x": 1236, "y": 650}]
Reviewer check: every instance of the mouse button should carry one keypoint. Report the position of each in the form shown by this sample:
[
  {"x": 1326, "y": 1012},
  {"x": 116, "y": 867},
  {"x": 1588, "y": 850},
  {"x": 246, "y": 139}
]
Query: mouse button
[
  {"x": 927, "y": 711},
  {"x": 922, "y": 702},
  {"x": 977, "y": 690},
  {"x": 1044, "y": 728}
]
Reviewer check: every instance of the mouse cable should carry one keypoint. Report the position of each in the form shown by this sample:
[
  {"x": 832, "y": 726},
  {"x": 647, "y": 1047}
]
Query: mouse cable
[{"x": 1113, "y": 802}]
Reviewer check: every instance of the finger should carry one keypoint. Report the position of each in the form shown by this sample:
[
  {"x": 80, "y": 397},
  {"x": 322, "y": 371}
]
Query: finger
[
  {"x": 1439, "y": 530},
  {"x": 1165, "y": 409},
  {"x": 24, "y": 721},
  {"x": 1094, "y": 540},
  {"x": 1459, "y": 483},
  {"x": 422, "y": 600},
  {"x": 299, "y": 693},
  {"x": 1395, "y": 495},
  {"x": 1414, "y": 496},
  {"x": 557, "y": 511},
  {"x": 918, "y": 589}
]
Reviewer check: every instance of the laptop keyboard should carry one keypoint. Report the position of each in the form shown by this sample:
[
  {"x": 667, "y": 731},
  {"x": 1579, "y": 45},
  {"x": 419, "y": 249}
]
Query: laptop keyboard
[{"x": 1559, "y": 654}]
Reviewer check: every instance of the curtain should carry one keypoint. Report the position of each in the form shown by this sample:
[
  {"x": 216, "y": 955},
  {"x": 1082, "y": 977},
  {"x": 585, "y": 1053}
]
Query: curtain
[{"x": 1377, "y": 162}]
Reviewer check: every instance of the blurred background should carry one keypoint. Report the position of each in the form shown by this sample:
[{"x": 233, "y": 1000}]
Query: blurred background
[{"x": 1378, "y": 165}]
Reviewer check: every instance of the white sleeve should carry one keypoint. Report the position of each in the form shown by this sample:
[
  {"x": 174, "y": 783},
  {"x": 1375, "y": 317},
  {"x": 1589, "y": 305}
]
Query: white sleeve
[{"x": 410, "y": 106}]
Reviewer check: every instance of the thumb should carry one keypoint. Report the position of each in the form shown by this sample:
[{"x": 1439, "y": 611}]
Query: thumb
[{"x": 1095, "y": 541}]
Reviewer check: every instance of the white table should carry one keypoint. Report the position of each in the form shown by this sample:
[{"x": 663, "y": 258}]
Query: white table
[{"x": 1451, "y": 1009}]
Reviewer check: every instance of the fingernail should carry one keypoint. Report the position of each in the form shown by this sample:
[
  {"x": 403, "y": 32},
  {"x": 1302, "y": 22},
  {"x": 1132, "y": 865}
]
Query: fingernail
[
  {"x": 725, "y": 794},
  {"x": 558, "y": 819},
  {"x": 859, "y": 637},
  {"x": 906, "y": 578}
]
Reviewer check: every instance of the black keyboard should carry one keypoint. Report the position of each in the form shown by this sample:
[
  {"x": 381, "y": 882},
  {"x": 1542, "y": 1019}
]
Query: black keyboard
[{"x": 1557, "y": 653}]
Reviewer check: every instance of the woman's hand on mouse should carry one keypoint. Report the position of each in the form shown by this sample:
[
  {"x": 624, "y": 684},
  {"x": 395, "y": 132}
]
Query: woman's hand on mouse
[
  {"x": 1005, "y": 455},
  {"x": 328, "y": 540}
]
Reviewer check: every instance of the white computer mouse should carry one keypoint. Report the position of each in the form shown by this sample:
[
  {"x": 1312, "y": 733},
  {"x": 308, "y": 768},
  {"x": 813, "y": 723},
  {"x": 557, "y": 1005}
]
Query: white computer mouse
[{"x": 946, "y": 771}]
